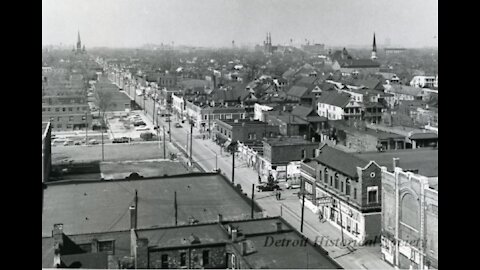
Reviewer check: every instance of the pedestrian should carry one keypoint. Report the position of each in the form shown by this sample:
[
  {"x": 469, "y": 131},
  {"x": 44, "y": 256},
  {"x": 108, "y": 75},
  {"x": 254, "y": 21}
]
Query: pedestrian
[
  {"x": 259, "y": 180},
  {"x": 279, "y": 195}
]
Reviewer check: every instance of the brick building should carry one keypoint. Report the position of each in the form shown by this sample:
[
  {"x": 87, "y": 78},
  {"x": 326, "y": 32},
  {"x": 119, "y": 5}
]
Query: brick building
[
  {"x": 224, "y": 244},
  {"x": 409, "y": 219},
  {"x": 46, "y": 150},
  {"x": 281, "y": 156},
  {"x": 64, "y": 102},
  {"x": 344, "y": 190},
  {"x": 243, "y": 130}
]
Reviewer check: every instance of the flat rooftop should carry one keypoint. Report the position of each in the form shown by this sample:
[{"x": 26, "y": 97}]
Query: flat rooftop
[
  {"x": 239, "y": 122},
  {"x": 102, "y": 206},
  {"x": 425, "y": 160},
  {"x": 281, "y": 141}
]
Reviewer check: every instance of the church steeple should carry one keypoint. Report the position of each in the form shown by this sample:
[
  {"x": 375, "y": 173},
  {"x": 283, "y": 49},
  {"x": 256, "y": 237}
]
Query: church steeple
[
  {"x": 79, "y": 43},
  {"x": 374, "y": 49}
]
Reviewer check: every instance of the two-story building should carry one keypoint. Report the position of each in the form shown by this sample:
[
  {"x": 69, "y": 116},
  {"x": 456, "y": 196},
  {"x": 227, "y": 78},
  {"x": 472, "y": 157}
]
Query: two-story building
[
  {"x": 243, "y": 130},
  {"x": 282, "y": 157},
  {"x": 344, "y": 190}
]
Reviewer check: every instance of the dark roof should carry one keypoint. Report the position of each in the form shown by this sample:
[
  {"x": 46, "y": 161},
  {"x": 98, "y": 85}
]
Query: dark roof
[
  {"x": 102, "y": 206},
  {"x": 340, "y": 161},
  {"x": 255, "y": 232},
  {"x": 300, "y": 91},
  {"x": 306, "y": 81},
  {"x": 335, "y": 98},
  {"x": 358, "y": 63},
  {"x": 302, "y": 111},
  {"x": 151, "y": 168},
  {"x": 406, "y": 90},
  {"x": 425, "y": 160},
  {"x": 423, "y": 136}
]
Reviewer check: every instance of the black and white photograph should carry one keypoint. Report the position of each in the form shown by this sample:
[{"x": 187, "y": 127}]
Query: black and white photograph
[{"x": 240, "y": 134}]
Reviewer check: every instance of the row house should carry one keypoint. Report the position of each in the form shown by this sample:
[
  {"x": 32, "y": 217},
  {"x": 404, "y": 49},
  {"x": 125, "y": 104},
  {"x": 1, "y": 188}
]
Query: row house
[
  {"x": 244, "y": 130},
  {"x": 345, "y": 191}
]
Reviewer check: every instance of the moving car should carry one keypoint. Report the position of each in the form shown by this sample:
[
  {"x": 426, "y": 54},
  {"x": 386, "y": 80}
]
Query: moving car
[
  {"x": 267, "y": 187},
  {"x": 139, "y": 123},
  {"x": 177, "y": 125}
]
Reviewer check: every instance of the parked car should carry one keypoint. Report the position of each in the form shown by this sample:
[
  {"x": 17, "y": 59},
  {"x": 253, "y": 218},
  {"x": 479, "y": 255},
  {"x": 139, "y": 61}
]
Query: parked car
[
  {"x": 68, "y": 142},
  {"x": 177, "y": 125},
  {"x": 78, "y": 143},
  {"x": 122, "y": 140},
  {"x": 267, "y": 187},
  {"x": 292, "y": 183},
  {"x": 139, "y": 123},
  {"x": 142, "y": 128},
  {"x": 92, "y": 141}
]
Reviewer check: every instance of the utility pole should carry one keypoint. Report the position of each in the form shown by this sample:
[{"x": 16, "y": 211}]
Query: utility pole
[
  {"x": 164, "y": 143},
  {"x": 233, "y": 166},
  {"x": 86, "y": 128},
  {"x": 341, "y": 220},
  {"x": 253, "y": 191},
  {"x": 136, "y": 208},
  {"x": 303, "y": 207},
  {"x": 191, "y": 140},
  {"x": 169, "y": 130},
  {"x": 176, "y": 207},
  {"x": 216, "y": 164},
  {"x": 154, "y": 113}
]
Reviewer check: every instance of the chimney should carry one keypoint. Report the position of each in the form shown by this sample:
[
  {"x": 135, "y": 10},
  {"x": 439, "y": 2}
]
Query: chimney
[
  {"x": 396, "y": 163},
  {"x": 234, "y": 234},
  {"x": 244, "y": 248},
  {"x": 278, "y": 226},
  {"x": 220, "y": 218},
  {"x": 133, "y": 217},
  {"x": 57, "y": 234}
]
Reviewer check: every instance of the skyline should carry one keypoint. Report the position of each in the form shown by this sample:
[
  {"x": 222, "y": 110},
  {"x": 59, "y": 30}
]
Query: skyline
[{"x": 215, "y": 23}]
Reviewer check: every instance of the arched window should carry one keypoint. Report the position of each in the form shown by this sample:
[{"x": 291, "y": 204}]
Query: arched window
[
  {"x": 336, "y": 180},
  {"x": 347, "y": 187}
]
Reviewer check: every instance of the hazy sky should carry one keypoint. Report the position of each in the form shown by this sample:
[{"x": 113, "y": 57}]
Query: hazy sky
[{"x": 128, "y": 23}]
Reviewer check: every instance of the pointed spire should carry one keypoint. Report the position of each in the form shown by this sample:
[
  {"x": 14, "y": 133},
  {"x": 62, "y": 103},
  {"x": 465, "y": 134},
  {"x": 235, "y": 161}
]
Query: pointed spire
[
  {"x": 79, "y": 43},
  {"x": 374, "y": 43}
]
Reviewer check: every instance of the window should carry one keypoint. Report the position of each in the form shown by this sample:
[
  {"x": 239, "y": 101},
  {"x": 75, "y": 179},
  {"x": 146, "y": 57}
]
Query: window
[
  {"x": 57, "y": 109},
  {"x": 354, "y": 193},
  {"x": 341, "y": 186},
  {"x": 372, "y": 194},
  {"x": 304, "y": 153},
  {"x": 164, "y": 261},
  {"x": 78, "y": 109},
  {"x": 206, "y": 257},
  {"x": 70, "y": 109},
  {"x": 106, "y": 246},
  {"x": 69, "y": 126},
  {"x": 183, "y": 259},
  {"x": 347, "y": 187},
  {"x": 63, "y": 109},
  {"x": 52, "y": 119},
  {"x": 326, "y": 175},
  {"x": 43, "y": 109},
  {"x": 336, "y": 180},
  {"x": 48, "y": 109},
  {"x": 313, "y": 153},
  {"x": 84, "y": 118},
  {"x": 59, "y": 119},
  {"x": 70, "y": 118},
  {"x": 59, "y": 126},
  {"x": 331, "y": 180}
]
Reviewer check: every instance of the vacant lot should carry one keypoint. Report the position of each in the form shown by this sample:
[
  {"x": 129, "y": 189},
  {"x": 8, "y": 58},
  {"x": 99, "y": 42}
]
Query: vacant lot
[{"x": 113, "y": 152}]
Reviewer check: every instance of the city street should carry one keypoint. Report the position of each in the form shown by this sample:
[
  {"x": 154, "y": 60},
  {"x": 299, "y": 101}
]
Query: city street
[{"x": 209, "y": 156}]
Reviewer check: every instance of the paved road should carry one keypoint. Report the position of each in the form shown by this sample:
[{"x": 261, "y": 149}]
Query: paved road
[{"x": 209, "y": 155}]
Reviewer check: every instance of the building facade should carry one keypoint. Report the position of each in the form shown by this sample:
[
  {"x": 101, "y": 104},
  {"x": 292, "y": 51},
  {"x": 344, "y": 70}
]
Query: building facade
[
  {"x": 345, "y": 191},
  {"x": 409, "y": 220}
]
